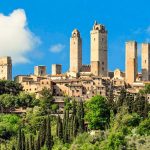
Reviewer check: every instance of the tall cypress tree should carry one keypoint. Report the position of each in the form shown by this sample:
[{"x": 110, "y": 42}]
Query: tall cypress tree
[
  {"x": 38, "y": 146},
  {"x": 74, "y": 122},
  {"x": 48, "y": 134},
  {"x": 42, "y": 133},
  {"x": 19, "y": 140},
  {"x": 31, "y": 142},
  {"x": 80, "y": 116},
  {"x": 27, "y": 144},
  {"x": 23, "y": 141},
  {"x": 59, "y": 131},
  {"x": 121, "y": 98}
]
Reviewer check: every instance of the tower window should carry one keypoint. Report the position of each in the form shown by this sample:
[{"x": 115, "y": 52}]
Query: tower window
[
  {"x": 102, "y": 63},
  {"x": 103, "y": 68},
  {"x": 145, "y": 61},
  {"x": 102, "y": 39},
  {"x": 94, "y": 39}
]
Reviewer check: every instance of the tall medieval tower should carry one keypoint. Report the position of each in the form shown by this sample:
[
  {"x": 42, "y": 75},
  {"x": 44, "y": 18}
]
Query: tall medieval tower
[
  {"x": 131, "y": 62},
  {"x": 75, "y": 52},
  {"x": 145, "y": 61},
  {"x": 5, "y": 68},
  {"x": 99, "y": 50}
]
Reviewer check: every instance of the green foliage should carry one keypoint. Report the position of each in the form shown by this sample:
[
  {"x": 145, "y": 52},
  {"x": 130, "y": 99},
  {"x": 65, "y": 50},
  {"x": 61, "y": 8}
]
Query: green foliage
[
  {"x": 9, "y": 125},
  {"x": 7, "y": 102},
  {"x": 97, "y": 113},
  {"x": 59, "y": 128},
  {"x": 116, "y": 141},
  {"x": 144, "y": 127},
  {"x": 46, "y": 99},
  {"x": 27, "y": 100},
  {"x": 146, "y": 89},
  {"x": 55, "y": 107},
  {"x": 131, "y": 120},
  {"x": 49, "y": 140},
  {"x": 85, "y": 141},
  {"x": 10, "y": 87},
  {"x": 34, "y": 118}
]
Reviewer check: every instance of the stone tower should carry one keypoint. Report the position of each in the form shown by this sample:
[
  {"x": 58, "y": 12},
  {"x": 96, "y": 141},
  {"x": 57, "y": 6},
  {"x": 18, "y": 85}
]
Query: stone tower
[
  {"x": 56, "y": 69},
  {"x": 99, "y": 50},
  {"x": 40, "y": 70},
  {"x": 145, "y": 61},
  {"x": 5, "y": 68},
  {"x": 75, "y": 52},
  {"x": 131, "y": 62}
]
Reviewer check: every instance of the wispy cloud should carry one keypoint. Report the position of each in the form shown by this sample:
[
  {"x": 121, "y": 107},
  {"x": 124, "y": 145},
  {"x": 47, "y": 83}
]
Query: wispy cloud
[
  {"x": 148, "y": 30},
  {"x": 57, "y": 48},
  {"x": 16, "y": 39},
  {"x": 138, "y": 31}
]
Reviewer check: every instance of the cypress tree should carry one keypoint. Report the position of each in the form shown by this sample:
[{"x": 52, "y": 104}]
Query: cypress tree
[
  {"x": 59, "y": 127},
  {"x": 129, "y": 102},
  {"x": 42, "y": 133},
  {"x": 64, "y": 127},
  {"x": 121, "y": 98},
  {"x": 19, "y": 139},
  {"x": 48, "y": 134},
  {"x": 38, "y": 146},
  {"x": 23, "y": 141},
  {"x": 67, "y": 126},
  {"x": 27, "y": 144},
  {"x": 31, "y": 142},
  {"x": 73, "y": 119},
  {"x": 80, "y": 116}
]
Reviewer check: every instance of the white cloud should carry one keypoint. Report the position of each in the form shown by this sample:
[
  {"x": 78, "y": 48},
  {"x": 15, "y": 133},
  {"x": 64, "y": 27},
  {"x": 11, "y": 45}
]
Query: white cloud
[
  {"x": 57, "y": 48},
  {"x": 16, "y": 40}
]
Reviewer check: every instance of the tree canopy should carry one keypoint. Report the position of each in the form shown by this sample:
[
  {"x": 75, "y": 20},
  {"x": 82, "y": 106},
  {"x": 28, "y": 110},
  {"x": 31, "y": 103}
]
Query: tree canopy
[{"x": 97, "y": 113}]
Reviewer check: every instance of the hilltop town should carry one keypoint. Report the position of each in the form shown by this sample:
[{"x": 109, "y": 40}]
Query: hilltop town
[
  {"x": 82, "y": 80},
  {"x": 87, "y": 107}
]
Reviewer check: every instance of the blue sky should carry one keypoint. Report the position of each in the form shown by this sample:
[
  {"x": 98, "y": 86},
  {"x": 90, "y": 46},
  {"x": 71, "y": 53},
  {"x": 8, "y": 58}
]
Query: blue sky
[{"x": 52, "y": 21}]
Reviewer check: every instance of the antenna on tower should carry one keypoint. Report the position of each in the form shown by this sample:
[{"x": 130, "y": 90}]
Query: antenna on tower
[{"x": 95, "y": 23}]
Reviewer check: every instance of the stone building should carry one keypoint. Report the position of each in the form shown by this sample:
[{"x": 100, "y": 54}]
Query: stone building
[
  {"x": 33, "y": 83},
  {"x": 75, "y": 52},
  {"x": 56, "y": 69},
  {"x": 40, "y": 70},
  {"x": 99, "y": 50},
  {"x": 5, "y": 68},
  {"x": 145, "y": 61},
  {"x": 131, "y": 62}
]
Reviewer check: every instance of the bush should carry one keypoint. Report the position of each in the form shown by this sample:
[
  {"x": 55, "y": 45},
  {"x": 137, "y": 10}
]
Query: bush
[
  {"x": 144, "y": 127},
  {"x": 9, "y": 125},
  {"x": 116, "y": 141}
]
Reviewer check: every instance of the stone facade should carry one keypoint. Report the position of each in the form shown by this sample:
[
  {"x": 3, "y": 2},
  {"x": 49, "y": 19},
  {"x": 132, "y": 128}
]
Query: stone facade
[
  {"x": 145, "y": 61},
  {"x": 40, "y": 70},
  {"x": 56, "y": 69},
  {"x": 5, "y": 68},
  {"x": 75, "y": 52},
  {"x": 131, "y": 62},
  {"x": 33, "y": 83},
  {"x": 99, "y": 50}
]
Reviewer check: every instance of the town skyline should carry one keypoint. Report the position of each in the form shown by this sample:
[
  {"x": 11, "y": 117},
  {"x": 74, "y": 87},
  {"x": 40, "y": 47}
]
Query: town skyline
[{"x": 53, "y": 32}]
